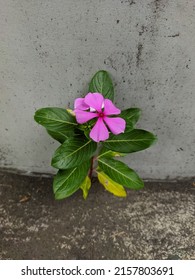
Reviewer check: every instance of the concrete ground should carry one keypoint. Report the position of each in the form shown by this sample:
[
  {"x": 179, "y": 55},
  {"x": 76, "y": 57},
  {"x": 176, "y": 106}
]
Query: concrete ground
[{"x": 157, "y": 222}]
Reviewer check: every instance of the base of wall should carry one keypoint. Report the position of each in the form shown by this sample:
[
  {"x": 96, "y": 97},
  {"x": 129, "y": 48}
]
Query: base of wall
[{"x": 50, "y": 175}]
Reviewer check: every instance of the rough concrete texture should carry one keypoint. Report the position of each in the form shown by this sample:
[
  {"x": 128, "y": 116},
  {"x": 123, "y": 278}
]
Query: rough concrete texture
[
  {"x": 50, "y": 50},
  {"x": 155, "y": 223}
]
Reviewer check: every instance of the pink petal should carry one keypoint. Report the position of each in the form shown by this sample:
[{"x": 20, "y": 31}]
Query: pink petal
[
  {"x": 80, "y": 104},
  {"x": 116, "y": 125},
  {"x": 83, "y": 116},
  {"x": 109, "y": 108},
  {"x": 94, "y": 100},
  {"x": 99, "y": 132}
]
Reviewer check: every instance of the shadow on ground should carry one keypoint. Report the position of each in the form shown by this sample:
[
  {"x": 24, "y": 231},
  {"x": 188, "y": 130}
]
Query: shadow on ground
[{"x": 154, "y": 223}]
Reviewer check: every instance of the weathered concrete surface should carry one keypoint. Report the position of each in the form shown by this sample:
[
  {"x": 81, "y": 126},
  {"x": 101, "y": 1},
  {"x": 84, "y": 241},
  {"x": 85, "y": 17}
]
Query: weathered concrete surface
[
  {"x": 155, "y": 223},
  {"x": 50, "y": 50}
]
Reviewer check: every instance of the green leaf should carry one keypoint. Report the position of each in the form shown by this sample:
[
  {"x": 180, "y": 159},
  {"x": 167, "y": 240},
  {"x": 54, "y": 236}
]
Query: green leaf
[
  {"x": 73, "y": 152},
  {"x": 102, "y": 83},
  {"x": 66, "y": 182},
  {"x": 120, "y": 173},
  {"x": 85, "y": 186},
  {"x": 55, "y": 119},
  {"x": 129, "y": 142},
  {"x": 131, "y": 115},
  {"x": 110, "y": 185},
  {"x": 62, "y": 137},
  {"x": 59, "y": 136},
  {"x": 129, "y": 126}
]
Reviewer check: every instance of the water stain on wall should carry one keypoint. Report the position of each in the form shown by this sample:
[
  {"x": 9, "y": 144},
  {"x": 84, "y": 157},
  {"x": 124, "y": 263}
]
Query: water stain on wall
[{"x": 138, "y": 54}]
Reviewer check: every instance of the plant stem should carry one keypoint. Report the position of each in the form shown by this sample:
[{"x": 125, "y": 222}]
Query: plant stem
[{"x": 91, "y": 168}]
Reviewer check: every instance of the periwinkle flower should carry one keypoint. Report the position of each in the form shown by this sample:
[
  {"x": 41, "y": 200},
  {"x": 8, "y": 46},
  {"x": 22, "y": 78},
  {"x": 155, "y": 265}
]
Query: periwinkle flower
[{"x": 94, "y": 105}]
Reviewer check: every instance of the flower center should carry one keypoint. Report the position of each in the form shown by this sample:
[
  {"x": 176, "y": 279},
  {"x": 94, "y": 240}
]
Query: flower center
[{"x": 101, "y": 115}]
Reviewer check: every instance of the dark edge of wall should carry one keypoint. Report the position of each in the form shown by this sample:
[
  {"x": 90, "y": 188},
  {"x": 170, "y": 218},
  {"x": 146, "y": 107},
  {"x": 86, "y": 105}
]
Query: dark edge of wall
[{"x": 50, "y": 175}]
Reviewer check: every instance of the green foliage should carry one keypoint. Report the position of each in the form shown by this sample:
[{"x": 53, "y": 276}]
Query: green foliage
[
  {"x": 131, "y": 116},
  {"x": 59, "y": 136},
  {"x": 120, "y": 173},
  {"x": 55, "y": 119},
  {"x": 101, "y": 82},
  {"x": 129, "y": 142},
  {"x": 67, "y": 182},
  {"x": 76, "y": 155},
  {"x": 73, "y": 152}
]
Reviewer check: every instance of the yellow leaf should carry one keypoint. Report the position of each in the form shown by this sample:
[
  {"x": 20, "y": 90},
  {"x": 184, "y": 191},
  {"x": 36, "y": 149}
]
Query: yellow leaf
[
  {"x": 85, "y": 186},
  {"x": 111, "y": 154},
  {"x": 70, "y": 112},
  {"x": 116, "y": 154},
  {"x": 111, "y": 185}
]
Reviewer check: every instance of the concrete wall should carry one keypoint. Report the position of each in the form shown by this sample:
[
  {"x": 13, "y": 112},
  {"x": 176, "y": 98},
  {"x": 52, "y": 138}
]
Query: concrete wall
[{"x": 50, "y": 50}]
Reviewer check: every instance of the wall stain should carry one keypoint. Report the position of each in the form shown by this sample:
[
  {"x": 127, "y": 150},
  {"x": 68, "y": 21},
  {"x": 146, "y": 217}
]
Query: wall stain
[
  {"x": 157, "y": 8},
  {"x": 159, "y": 5},
  {"x": 143, "y": 29},
  {"x": 119, "y": 61},
  {"x": 175, "y": 35},
  {"x": 139, "y": 53},
  {"x": 130, "y": 2},
  {"x": 4, "y": 155}
]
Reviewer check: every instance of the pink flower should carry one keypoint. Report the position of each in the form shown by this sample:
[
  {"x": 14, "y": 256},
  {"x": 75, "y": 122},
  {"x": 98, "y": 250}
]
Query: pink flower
[{"x": 95, "y": 106}]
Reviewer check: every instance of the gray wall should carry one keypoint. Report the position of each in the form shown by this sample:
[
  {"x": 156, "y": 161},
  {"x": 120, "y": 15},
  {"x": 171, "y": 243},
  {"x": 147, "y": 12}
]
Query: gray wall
[{"x": 51, "y": 48}]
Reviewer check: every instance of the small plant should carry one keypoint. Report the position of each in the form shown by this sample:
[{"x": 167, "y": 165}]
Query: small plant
[{"x": 91, "y": 136}]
